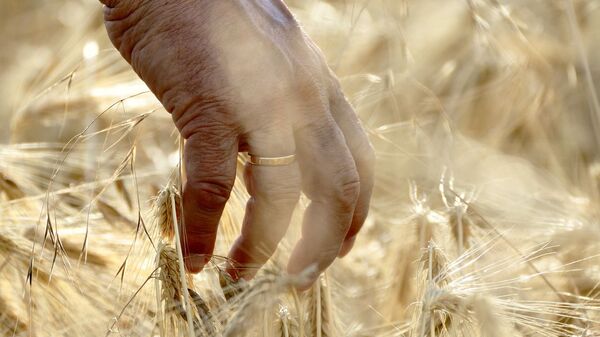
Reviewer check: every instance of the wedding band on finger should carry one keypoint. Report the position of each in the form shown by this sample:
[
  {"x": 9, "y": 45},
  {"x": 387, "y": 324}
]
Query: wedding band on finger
[{"x": 271, "y": 161}]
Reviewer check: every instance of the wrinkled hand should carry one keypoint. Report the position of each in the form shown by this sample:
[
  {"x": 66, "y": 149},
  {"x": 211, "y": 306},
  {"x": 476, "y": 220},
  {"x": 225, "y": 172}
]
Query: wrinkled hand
[{"x": 240, "y": 75}]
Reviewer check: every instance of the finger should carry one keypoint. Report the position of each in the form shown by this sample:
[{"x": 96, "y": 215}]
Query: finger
[
  {"x": 330, "y": 181},
  {"x": 364, "y": 158},
  {"x": 274, "y": 192},
  {"x": 210, "y": 159}
]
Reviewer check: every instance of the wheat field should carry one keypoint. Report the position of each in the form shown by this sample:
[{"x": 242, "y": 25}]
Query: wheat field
[{"x": 485, "y": 221}]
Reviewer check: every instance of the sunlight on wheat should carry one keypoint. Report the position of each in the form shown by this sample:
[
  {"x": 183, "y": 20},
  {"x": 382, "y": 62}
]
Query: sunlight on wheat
[{"x": 485, "y": 118}]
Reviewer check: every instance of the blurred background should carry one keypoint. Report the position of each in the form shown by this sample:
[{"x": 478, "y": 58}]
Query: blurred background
[{"x": 485, "y": 118}]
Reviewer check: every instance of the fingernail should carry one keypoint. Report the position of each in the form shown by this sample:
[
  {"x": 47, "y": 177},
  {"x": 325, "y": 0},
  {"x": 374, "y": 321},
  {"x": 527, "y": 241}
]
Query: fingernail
[
  {"x": 347, "y": 247},
  {"x": 195, "y": 263}
]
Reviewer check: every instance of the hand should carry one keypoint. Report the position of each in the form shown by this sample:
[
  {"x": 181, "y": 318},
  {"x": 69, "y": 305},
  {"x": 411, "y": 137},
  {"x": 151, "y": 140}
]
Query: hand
[{"x": 241, "y": 75}]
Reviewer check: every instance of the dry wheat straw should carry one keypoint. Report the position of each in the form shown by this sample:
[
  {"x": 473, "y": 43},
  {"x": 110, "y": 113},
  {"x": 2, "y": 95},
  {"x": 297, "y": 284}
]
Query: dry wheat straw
[
  {"x": 113, "y": 216},
  {"x": 176, "y": 284},
  {"x": 439, "y": 308},
  {"x": 490, "y": 321},
  {"x": 123, "y": 192},
  {"x": 322, "y": 321},
  {"x": 163, "y": 211},
  {"x": 209, "y": 327},
  {"x": 7, "y": 246},
  {"x": 182, "y": 270},
  {"x": 505, "y": 92},
  {"x": 440, "y": 311},
  {"x": 10, "y": 324},
  {"x": 10, "y": 188},
  {"x": 285, "y": 324},
  {"x": 262, "y": 294},
  {"x": 229, "y": 286},
  {"x": 435, "y": 263},
  {"x": 251, "y": 303},
  {"x": 173, "y": 291}
]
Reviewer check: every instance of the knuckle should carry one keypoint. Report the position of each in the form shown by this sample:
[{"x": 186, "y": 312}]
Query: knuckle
[
  {"x": 366, "y": 156},
  {"x": 209, "y": 195},
  {"x": 336, "y": 92},
  {"x": 134, "y": 48},
  {"x": 121, "y": 19},
  {"x": 136, "y": 25},
  {"x": 197, "y": 113},
  {"x": 346, "y": 190}
]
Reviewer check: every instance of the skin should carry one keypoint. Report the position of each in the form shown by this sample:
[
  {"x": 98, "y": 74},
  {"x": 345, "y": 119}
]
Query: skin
[{"x": 241, "y": 75}]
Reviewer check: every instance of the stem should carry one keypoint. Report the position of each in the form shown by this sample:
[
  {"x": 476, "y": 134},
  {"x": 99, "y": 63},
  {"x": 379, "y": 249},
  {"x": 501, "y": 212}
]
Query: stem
[
  {"x": 459, "y": 220},
  {"x": 430, "y": 276},
  {"x": 318, "y": 304},
  {"x": 430, "y": 265},
  {"x": 186, "y": 295},
  {"x": 286, "y": 329},
  {"x": 329, "y": 301},
  {"x": 299, "y": 309},
  {"x": 161, "y": 325}
]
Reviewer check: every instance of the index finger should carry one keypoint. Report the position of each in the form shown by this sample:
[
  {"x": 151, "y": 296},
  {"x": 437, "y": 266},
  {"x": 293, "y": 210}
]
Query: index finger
[{"x": 210, "y": 158}]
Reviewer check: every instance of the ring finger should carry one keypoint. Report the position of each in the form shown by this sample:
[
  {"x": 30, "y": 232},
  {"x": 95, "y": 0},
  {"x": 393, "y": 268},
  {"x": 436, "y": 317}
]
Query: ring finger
[{"x": 274, "y": 192}]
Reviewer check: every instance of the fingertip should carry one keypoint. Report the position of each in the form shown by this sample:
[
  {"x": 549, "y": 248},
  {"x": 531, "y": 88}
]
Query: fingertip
[
  {"x": 306, "y": 285},
  {"x": 306, "y": 276},
  {"x": 231, "y": 267},
  {"x": 195, "y": 263},
  {"x": 307, "y": 263},
  {"x": 240, "y": 265},
  {"x": 197, "y": 251}
]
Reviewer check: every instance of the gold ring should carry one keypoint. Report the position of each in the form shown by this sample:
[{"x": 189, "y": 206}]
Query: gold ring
[{"x": 272, "y": 161}]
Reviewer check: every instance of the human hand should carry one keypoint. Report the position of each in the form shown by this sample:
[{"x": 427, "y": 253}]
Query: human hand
[{"x": 240, "y": 75}]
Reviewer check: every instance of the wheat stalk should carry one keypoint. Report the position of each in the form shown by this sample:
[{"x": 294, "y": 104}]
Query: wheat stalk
[
  {"x": 182, "y": 272},
  {"x": 322, "y": 321}
]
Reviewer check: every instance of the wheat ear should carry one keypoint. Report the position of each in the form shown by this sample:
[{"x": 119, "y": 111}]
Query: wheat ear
[
  {"x": 286, "y": 325},
  {"x": 182, "y": 274},
  {"x": 321, "y": 320},
  {"x": 163, "y": 213},
  {"x": 157, "y": 280}
]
